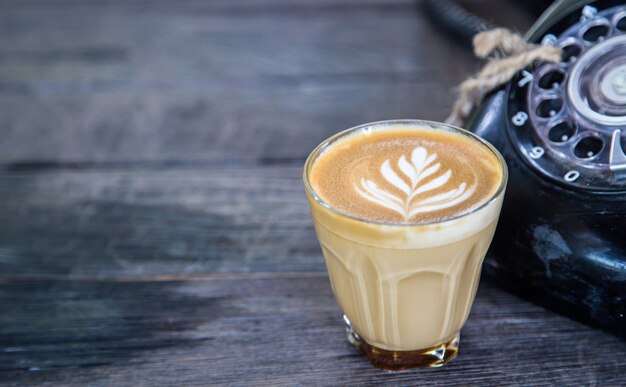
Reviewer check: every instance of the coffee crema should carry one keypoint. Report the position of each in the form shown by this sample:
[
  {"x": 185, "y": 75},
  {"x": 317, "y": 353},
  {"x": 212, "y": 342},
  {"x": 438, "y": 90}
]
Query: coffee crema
[{"x": 400, "y": 174}]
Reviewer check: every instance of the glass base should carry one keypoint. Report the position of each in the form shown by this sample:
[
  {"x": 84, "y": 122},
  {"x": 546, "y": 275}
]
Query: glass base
[{"x": 402, "y": 360}]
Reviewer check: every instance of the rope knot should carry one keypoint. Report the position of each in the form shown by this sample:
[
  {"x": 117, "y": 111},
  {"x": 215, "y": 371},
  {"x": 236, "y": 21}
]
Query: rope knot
[{"x": 507, "y": 54}]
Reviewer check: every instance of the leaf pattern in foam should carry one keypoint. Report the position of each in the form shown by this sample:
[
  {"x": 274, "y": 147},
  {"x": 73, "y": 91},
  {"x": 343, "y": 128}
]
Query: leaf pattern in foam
[{"x": 415, "y": 171}]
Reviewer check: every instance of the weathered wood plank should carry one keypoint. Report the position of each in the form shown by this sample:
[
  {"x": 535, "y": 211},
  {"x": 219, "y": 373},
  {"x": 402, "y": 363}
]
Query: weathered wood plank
[
  {"x": 162, "y": 81},
  {"x": 203, "y": 123},
  {"x": 108, "y": 223},
  {"x": 252, "y": 329}
]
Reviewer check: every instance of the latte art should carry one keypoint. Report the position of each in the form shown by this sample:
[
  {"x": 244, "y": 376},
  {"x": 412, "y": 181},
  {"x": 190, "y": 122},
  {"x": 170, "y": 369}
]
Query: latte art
[
  {"x": 405, "y": 175},
  {"x": 416, "y": 171}
]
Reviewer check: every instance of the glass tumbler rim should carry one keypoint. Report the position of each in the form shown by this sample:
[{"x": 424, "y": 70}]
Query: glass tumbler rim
[{"x": 408, "y": 122}]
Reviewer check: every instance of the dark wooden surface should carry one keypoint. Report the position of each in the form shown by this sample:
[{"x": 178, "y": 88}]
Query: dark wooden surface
[{"x": 153, "y": 227}]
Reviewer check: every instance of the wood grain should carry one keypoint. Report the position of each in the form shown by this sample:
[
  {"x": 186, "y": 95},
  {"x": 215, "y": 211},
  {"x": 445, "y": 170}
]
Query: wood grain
[
  {"x": 142, "y": 222},
  {"x": 118, "y": 81},
  {"x": 248, "y": 329}
]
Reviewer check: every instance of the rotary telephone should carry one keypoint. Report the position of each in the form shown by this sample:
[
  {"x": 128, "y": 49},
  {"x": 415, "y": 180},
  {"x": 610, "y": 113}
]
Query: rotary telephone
[{"x": 561, "y": 239}]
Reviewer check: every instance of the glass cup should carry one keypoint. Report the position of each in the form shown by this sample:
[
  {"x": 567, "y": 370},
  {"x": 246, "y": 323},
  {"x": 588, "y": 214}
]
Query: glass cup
[{"x": 406, "y": 289}]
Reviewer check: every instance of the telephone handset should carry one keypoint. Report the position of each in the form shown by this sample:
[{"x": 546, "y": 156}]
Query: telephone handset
[{"x": 562, "y": 128}]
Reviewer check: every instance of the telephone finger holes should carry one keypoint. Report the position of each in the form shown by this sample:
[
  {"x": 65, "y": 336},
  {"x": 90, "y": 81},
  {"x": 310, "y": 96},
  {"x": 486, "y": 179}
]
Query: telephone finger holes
[
  {"x": 549, "y": 107},
  {"x": 588, "y": 147},
  {"x": 551, "y": 79},
  {"x": 596, "y": 33},
  {"x": 561, "y": 132},
  {"x": 570, "y": 52}
]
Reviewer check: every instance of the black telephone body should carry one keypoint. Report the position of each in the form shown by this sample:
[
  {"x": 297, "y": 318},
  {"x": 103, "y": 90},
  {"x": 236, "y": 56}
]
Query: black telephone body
[{"x": 561, "y": 238}]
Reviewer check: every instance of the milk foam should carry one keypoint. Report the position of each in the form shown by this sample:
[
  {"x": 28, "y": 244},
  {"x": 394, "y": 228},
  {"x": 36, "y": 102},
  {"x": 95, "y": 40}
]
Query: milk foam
[
  {"x": 405, "y": 174},
  {"x": 415, "y": 171}
]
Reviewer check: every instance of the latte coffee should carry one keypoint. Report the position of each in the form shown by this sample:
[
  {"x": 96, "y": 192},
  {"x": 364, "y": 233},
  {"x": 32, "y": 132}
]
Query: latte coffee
[
  {"x": 401, "y": 175},
  {"x": 404, "y": 212}
]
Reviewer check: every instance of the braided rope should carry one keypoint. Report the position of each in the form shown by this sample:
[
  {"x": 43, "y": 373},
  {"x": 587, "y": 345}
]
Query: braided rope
[{"x": 509, "y": 53}]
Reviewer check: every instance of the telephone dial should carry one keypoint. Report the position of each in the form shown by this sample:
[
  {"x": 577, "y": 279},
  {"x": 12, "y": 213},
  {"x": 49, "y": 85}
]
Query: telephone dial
[{"x": 561, "y": 240}]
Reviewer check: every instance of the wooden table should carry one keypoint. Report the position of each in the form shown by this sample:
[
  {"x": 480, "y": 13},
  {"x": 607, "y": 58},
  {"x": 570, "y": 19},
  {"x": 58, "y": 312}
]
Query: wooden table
[{"x": 153, "y": 225}]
